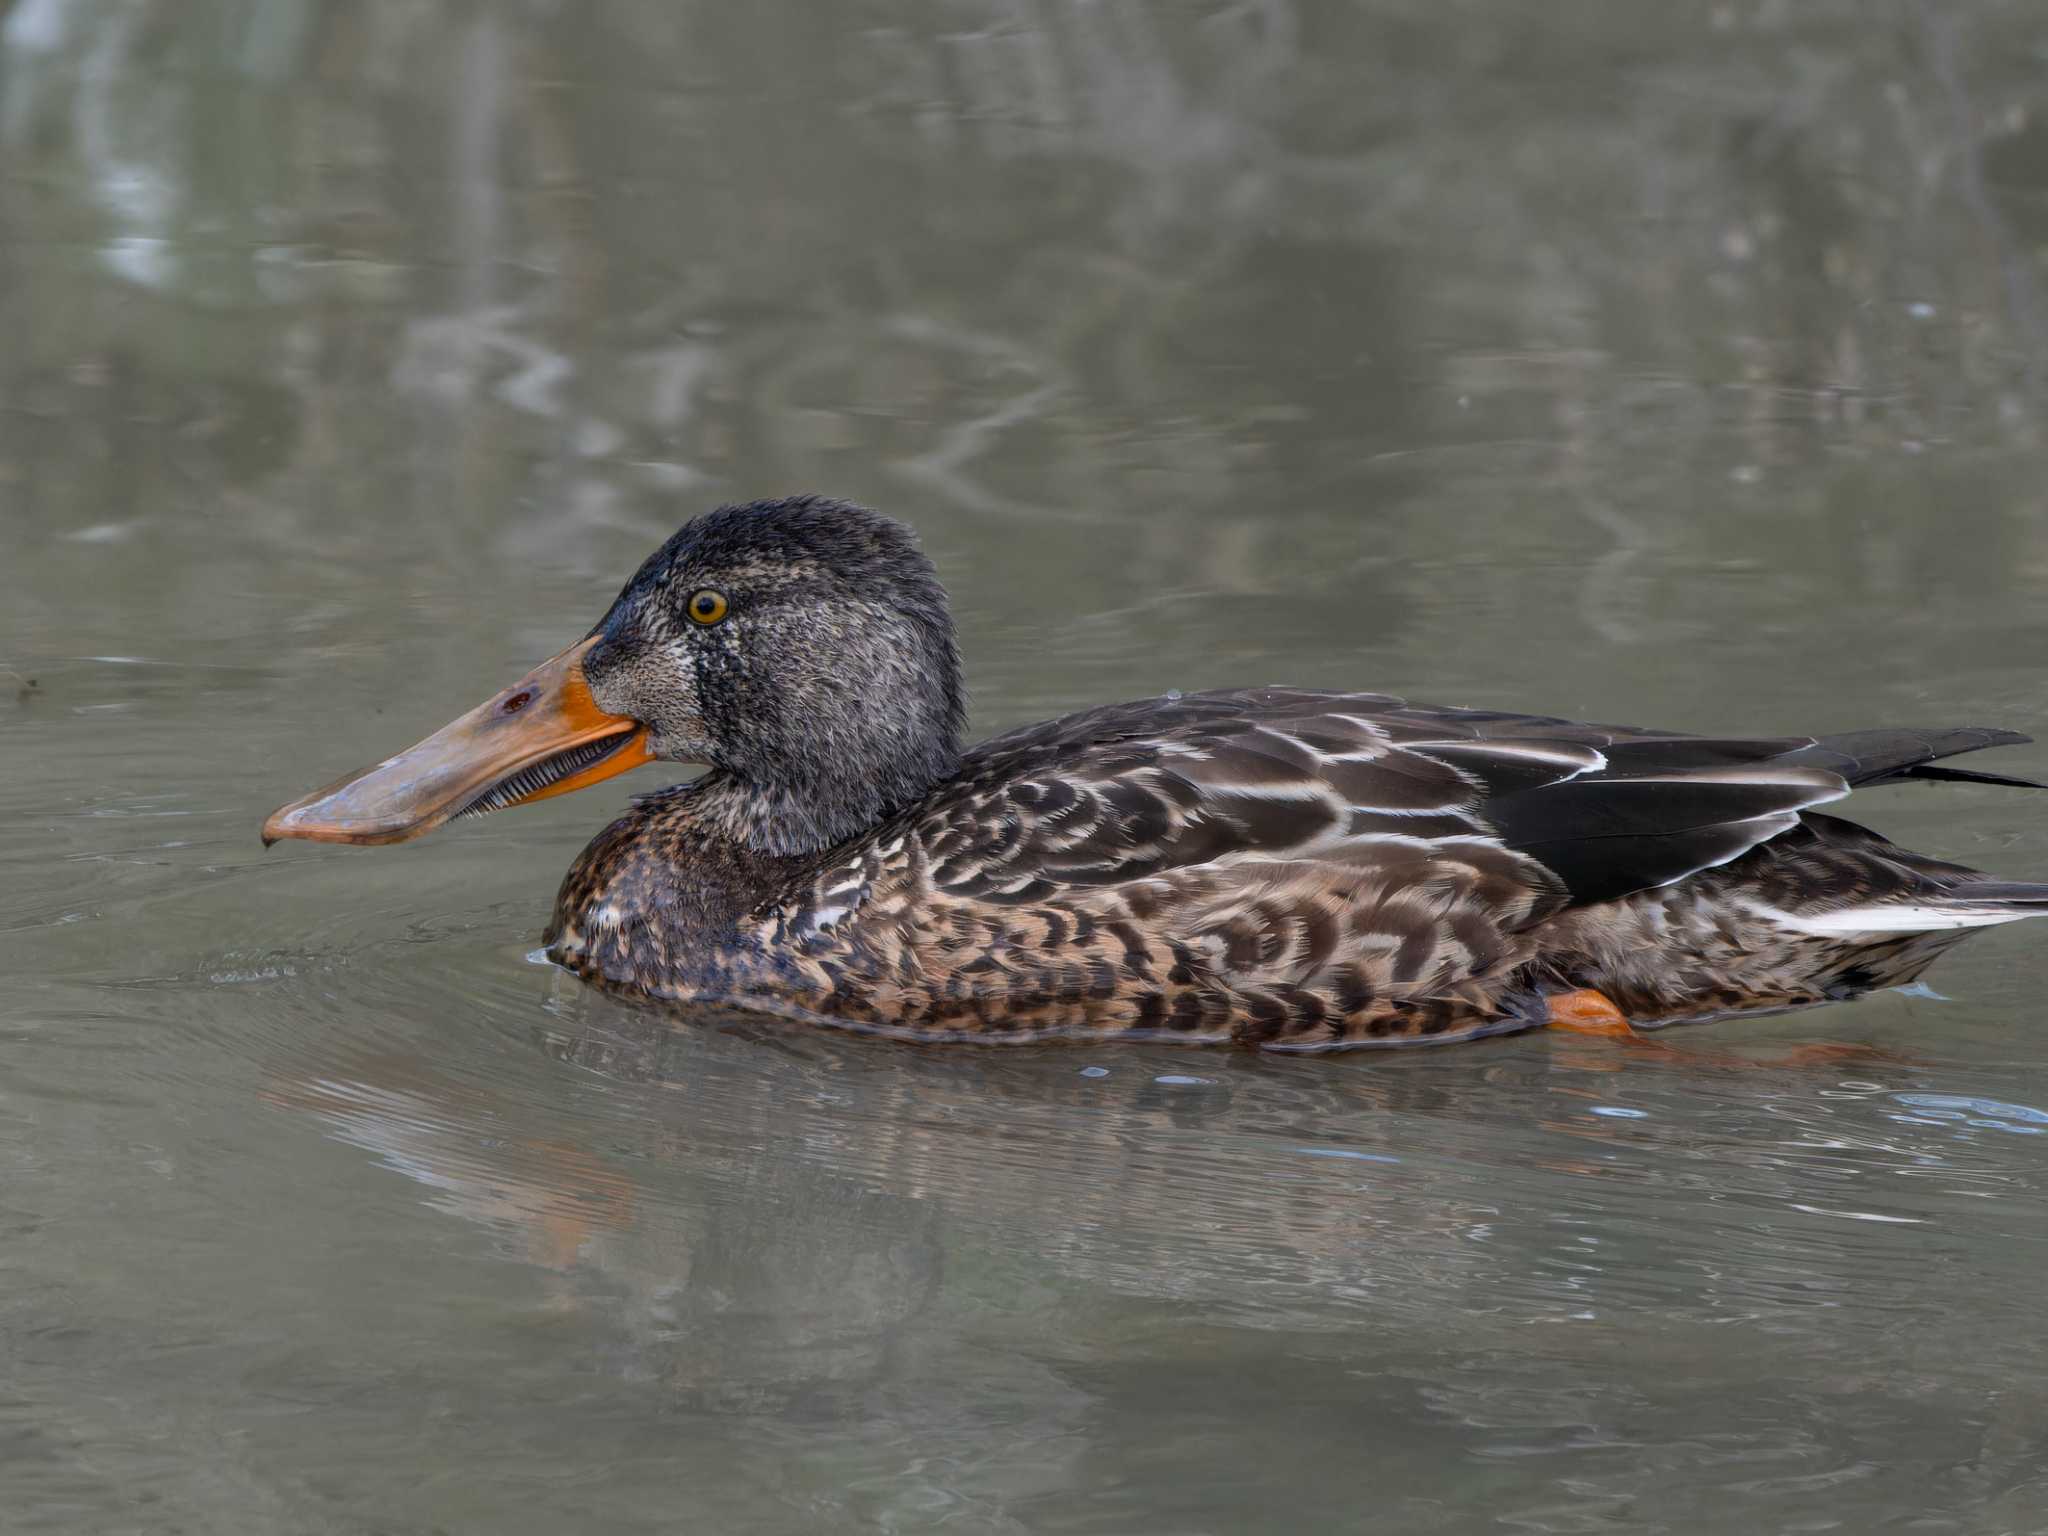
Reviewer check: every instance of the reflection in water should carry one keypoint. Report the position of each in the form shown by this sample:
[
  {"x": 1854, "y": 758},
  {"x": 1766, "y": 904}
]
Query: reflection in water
[
  {"x": 759, "y": 1215},
  {"x": 522, "y": 223},
  {"x": 1379, "y": 1185},
  {"x": 1658, "y": 363}
]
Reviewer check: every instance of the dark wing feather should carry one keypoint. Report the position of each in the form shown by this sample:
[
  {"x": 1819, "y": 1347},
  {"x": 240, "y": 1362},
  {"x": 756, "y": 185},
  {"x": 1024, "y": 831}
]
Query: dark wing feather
[
  {"x": 1605, "y": 837},
  {"x": 1883, "y": 756},
  {"x": 1132, "y": 792}
]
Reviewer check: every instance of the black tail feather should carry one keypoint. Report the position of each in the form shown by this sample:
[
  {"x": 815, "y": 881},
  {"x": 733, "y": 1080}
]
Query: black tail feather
[
  {"x": 1888, "y": 755},
  {"x": 2005, "y": 893},
  {"x": 1967, "y": 776}
]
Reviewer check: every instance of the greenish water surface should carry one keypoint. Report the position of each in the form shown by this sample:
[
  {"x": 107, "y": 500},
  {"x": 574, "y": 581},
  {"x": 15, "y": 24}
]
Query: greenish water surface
[{"x": 1676, "y": 364}]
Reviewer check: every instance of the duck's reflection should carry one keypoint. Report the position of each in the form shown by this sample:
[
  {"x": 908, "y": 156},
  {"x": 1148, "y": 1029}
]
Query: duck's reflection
[
  {"x": 551, "y": 1198},
  {"x": 761, "y": 1207}
]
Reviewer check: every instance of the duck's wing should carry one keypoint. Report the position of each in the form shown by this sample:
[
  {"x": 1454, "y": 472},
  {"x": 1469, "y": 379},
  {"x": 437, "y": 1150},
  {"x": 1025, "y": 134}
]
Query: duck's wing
[
  {"x": 1292, "y": 867},
  {"x": 1551, "y": 812}
]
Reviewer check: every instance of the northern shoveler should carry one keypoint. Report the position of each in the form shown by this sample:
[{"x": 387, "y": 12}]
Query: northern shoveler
[{"x": 1278, "y": 867}]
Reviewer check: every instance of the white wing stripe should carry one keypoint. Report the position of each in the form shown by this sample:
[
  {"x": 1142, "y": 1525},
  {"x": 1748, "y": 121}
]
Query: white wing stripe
[{"x": 1564, "y": 756}]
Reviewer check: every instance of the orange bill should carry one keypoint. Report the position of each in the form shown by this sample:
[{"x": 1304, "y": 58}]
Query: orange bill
[{"x": 545, "y": 735}]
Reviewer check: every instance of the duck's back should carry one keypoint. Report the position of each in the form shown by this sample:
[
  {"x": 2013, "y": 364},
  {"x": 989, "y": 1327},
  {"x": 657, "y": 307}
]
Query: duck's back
[{"x": 1291, "y": 867}]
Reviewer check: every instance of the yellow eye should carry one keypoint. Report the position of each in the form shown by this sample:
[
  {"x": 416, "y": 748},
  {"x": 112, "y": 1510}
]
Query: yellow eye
[{"x": 707, "y": 607}]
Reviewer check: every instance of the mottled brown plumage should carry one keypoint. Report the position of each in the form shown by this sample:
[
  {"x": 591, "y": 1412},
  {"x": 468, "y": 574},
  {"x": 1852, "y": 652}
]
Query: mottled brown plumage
[{"x": 1274, "y": 867}]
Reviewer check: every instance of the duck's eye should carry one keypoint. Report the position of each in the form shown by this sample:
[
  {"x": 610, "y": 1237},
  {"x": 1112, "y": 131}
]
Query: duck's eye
[{"x": 707, "y": 607}]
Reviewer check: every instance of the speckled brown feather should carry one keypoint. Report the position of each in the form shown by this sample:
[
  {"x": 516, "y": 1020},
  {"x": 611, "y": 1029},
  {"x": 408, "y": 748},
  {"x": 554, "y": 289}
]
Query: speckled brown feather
[{"x": 1276, "y": 867}]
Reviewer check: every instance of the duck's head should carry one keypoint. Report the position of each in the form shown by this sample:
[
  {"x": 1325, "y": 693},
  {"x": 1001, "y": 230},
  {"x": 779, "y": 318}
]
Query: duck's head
[{"x": 802, "y": 649}]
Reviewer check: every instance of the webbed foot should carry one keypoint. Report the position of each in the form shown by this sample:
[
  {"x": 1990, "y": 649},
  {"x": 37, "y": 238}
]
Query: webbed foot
[{"x": 1588, "y": 1012}]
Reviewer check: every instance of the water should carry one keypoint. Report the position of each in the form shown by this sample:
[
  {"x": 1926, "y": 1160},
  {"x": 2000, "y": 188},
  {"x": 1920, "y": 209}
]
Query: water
[{"x": 1679, "y": 365}]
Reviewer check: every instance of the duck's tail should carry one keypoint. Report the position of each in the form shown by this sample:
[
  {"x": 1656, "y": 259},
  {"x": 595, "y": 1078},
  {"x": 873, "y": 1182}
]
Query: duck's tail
[
  {"x": 1858, "y": 882},
  {"x": 1895, "y": 753},
  {"x": 1981, "y": 902},
  {"x": 1968, "y": 906},
  {"x": 1940, "y": 896}
]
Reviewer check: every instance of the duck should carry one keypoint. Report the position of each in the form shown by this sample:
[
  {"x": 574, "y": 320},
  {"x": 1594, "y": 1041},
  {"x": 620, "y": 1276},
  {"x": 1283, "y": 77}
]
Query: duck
[{"x": 1281, "y": 868}]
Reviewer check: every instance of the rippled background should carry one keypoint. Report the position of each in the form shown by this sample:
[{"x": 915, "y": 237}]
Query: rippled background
[{"x": 1673, "y": 364}]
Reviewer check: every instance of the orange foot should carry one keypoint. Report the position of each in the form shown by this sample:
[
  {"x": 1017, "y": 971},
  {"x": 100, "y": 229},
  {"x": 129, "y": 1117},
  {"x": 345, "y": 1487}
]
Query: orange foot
[{"x": 1587, "y": 1012}]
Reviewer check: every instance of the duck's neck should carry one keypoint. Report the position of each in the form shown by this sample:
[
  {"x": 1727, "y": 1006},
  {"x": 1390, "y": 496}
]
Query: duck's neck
[
  {"x": 771, "y": 820},
  {"x": 813, "y": 806}
]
